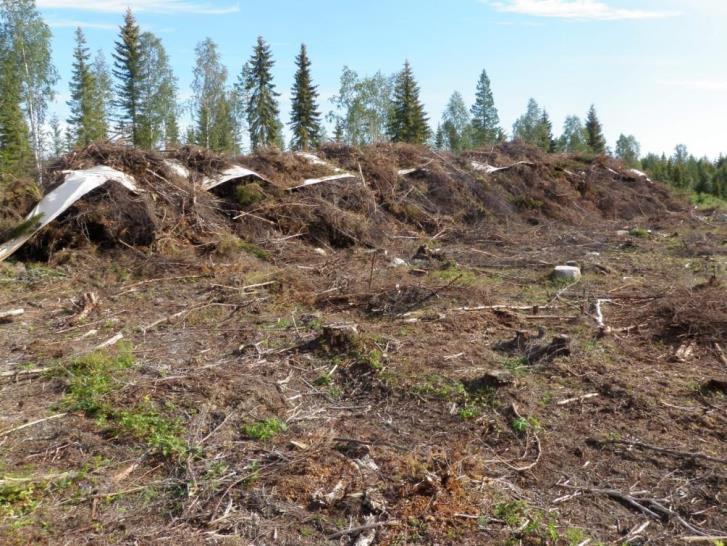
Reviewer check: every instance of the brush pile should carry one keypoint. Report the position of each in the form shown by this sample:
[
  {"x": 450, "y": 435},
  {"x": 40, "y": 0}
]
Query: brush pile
[{"x": 387, "y": 189}]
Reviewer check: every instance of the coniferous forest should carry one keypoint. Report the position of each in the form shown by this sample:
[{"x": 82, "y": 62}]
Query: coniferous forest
[{"x": 132, "y": 96}]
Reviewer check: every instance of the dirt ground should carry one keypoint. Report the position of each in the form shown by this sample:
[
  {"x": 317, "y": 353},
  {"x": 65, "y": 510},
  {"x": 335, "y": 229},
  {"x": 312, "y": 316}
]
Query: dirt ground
[{"x": 436, "y": 387}]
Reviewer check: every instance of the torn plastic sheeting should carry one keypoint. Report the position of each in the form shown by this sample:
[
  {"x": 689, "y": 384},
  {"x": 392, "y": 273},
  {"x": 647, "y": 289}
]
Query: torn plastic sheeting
[
  {"x": 412, "y": 170},
  {"x": 233, "y": 173},
  {"x": 489, "y": 169},
  {"x": 74, "y": 187},
  {"x": 314, "y": 181},
  {"x": 641, "y": 174},
  {"x": 315, "y": 160},
  {"x": 177, "y": 168}
]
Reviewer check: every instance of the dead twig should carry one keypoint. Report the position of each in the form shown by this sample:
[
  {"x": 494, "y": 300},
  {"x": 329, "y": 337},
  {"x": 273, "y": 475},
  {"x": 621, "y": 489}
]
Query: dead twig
[
  {"x": 360, "y": 528},
  {"x": 668, "y": 451},
  {"x": 36, "y": 422}
]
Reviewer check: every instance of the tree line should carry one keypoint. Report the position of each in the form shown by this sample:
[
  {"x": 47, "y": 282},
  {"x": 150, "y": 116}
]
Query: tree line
[{"x": 134, "y": 99}]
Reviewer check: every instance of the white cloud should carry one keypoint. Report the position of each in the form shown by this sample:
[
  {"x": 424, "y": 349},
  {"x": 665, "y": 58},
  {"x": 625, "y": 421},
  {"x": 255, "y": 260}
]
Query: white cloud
[
  {"x": 585, "y": 10},
  {"x": 700, "y": 85},
  {"x": 157, "y": 6},
  {"x": 73, "y": 23}
]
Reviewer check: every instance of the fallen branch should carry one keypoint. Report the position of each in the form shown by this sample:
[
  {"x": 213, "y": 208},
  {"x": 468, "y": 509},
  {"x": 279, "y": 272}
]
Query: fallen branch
[
  {"x": 8, "y": 316},
  {"x": 655, "y": 508},
  {"x": 17, "y": 373},
  {"x": 669, "y": 451},
  {"x": 356, "y": 530},
  {"x": 577, "y": 399},
  {"x": 109, "y": 342},
  {"x": 26, "y": 425}
]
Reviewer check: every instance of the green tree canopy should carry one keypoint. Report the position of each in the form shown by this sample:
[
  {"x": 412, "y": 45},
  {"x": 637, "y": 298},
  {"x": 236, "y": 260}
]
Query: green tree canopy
[
  {"x": 25, "y": 42},
  {"x": 628, "y": 150},
  {"x": 87, "y": 111},
  {"x": 408, "y": 122},
  {"x": 157, "y": 112},
  {"x": 456, "y": 127},
  {"x": 594, "y": 132},
  {"x": 16, "y": 156},
  {"x": 363, "y": 108},
  {"x": 305, "y": 119},
  {"x": 573, "y": 138},
  {"x": 485, "y": 119},
  {"x": 262, "y": 107},
  {"x": 127, "y": 71}
]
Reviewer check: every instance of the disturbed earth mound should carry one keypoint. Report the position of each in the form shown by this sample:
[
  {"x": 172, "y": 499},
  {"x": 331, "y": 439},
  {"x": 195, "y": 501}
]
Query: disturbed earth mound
[{"x": 342, "y": 197}]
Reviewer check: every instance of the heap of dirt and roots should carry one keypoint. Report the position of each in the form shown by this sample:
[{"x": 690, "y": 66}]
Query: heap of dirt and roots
[{"x": 444, "y": 192}]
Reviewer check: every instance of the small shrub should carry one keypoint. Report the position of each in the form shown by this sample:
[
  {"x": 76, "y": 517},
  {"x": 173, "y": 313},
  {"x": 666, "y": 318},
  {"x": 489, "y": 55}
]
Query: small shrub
[
  {"x": 249, "y": 194},
  {"x": 641, "y": 233},
  {"x": 265, "y": 429}
]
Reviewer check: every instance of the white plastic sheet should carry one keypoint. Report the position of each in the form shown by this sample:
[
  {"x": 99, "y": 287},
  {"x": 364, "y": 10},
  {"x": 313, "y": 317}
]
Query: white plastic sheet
[
  {"x": 489, "y": 169},
  {"x": 177, "y": 168},
  {"x": 640, "y": 174},
  {"x": 74, "y": 187},
  {"x": 235, "y": 172},
  {"x": 314, "y": 181}
]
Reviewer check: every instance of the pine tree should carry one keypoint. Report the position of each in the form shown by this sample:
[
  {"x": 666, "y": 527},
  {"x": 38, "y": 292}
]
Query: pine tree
[
  {"x": 262, "y": 108},
  {"x": 305, "y": 119},
  {"x": 86, "y": 119},
  {"x": 15, "y": 153},
  {"x": 485, "y": 119},
  {"x": 127, "y": 67},
  {"x": 594, "y": 133},
  {"x": 408, "y": 121}
]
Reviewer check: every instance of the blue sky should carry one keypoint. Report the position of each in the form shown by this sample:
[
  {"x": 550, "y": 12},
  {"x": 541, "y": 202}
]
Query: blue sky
[{"x": 654, "y": 68}]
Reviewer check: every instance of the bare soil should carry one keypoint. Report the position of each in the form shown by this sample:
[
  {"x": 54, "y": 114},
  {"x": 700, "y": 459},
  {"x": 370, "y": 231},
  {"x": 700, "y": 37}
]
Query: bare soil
[{"x": 281, "y": 381}]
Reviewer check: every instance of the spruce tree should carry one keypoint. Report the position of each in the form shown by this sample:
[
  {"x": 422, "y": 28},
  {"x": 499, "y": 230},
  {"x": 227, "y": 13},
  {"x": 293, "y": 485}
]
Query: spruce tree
[
  {"x": 56, "y": 137},
  {"x": 262, "y": 107},
  {"x": 594, "y": 133},
  {"x": 127, "y": 67},
  {"x": 16, "y": 156},
  {"x": 305, "y": 119},
  {"x": 545, "y": 140},
  {"x": 408, "y": 121},
  {"x": 85, "y": 120},
  {"x": 485, "y": 119}
]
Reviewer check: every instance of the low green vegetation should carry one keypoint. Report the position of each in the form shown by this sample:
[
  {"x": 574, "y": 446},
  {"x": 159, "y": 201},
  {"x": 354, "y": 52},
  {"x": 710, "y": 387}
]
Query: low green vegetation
[
  {"x": 641, "y": 233},
  {"x": 248, "y": 194},
  {"x": 94, "y": 377},
  {"x": 265, "y": 429}
]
